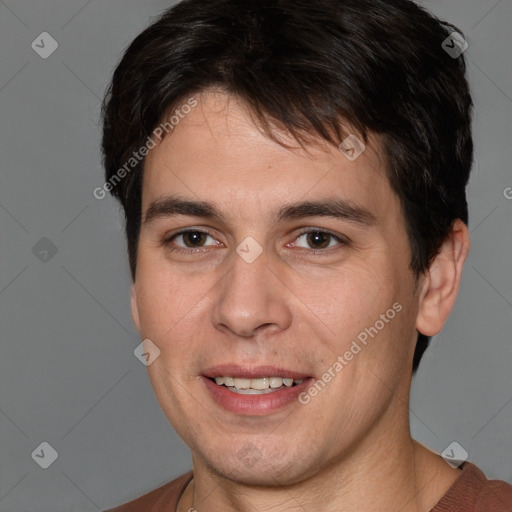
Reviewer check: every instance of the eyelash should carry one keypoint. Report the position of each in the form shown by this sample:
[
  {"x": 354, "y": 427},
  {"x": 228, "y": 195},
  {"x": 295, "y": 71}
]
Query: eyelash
[{"x": 343, "y": 241}]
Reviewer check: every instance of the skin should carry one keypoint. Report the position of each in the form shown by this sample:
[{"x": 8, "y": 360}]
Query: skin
[{"x": 349, "y": 448}]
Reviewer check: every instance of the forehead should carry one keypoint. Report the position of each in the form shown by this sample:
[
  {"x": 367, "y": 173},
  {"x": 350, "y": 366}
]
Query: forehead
[{"x": 216, "y": 152}]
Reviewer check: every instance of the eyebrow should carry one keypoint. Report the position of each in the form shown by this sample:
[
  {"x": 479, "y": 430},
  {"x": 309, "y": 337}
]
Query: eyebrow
[{"x": 336, "y": 208}]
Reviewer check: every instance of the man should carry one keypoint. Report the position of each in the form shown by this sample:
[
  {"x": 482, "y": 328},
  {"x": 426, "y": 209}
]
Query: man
[{"x": 293, "y": 177}]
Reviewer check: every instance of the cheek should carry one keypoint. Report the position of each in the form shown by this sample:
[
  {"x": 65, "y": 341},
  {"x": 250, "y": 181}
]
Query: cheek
[
  {"x": 174, "y": 312},
  {"x": 162, "y": 292},
  {"x": 370, "y": 323},
  {"x": 353, "y": 298},
  {"x": 164, "y": 304}
]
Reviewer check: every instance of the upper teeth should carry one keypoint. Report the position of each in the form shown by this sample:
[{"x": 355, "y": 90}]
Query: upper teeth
[{"x": 263, "y": 383}]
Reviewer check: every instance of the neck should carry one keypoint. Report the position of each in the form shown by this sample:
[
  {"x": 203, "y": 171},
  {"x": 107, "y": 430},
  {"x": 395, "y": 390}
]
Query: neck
[{"x": 386, "y": 470}]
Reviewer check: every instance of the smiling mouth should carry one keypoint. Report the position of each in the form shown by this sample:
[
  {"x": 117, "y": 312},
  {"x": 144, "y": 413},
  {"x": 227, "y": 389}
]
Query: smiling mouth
[{"x": 259, "y": 386}]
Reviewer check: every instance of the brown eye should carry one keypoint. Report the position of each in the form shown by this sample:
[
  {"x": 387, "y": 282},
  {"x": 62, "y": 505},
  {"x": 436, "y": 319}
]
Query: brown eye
[
  {"x": 194, "y": 238},
  {"x": 317, "y": 240},
  {"x": 190, "y": 239}
]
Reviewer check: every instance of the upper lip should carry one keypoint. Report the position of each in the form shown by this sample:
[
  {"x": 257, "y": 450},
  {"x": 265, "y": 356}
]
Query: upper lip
[{"x": 253, "y": 372}]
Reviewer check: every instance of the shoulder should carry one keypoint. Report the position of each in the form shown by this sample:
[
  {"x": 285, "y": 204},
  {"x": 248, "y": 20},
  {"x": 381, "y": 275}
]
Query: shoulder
[
  {"x": 164, "y": 498},
  {"x": 473, "y": 492}
]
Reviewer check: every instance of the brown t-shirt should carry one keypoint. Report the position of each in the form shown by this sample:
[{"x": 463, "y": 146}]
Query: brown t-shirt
[{"x": 471, "y": 492}]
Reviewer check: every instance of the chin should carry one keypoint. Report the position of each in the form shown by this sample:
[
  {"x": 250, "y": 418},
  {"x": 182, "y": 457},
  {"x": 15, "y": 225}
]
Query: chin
[
  {"x": 249, "y": 466},
  {"x": 265, "y": 475}
]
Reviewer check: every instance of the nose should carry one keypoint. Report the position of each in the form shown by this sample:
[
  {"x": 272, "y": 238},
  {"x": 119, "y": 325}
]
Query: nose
[{"x": 251, "y": 299}]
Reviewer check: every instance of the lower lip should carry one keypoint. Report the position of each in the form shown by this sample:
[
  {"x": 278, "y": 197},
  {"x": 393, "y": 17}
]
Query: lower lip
[{"x": 254, "y": 405}]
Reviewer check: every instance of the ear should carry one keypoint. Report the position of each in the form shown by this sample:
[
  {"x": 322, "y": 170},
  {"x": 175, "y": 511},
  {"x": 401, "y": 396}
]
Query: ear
[
  {"x": 442, "y": 281},
  {"x": 134, "y": 307}
]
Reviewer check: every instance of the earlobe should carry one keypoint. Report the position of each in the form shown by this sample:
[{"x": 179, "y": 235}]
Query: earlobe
[
  {"x": 442, "y": 281},
  {"x": 134, "y": 307}
]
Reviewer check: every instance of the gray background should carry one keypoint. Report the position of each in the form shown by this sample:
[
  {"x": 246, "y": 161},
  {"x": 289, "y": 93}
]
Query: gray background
[{"x": 68, "y": 375}]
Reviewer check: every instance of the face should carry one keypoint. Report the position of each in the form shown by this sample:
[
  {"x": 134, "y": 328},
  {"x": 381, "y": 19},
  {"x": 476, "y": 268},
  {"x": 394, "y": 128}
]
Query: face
[{"x": 259, "y": 262}]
